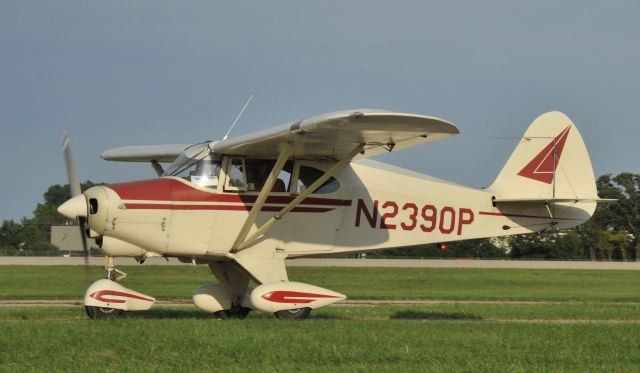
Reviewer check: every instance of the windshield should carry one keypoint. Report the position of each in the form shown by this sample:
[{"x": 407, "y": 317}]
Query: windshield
[
  {"x": 196, "y": 165},
  {"x": 188, "y": 158},
  {"x": 204, "y": 172}
]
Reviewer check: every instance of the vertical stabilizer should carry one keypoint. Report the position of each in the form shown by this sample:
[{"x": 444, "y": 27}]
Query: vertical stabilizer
[{"x": 550, "y": 162}]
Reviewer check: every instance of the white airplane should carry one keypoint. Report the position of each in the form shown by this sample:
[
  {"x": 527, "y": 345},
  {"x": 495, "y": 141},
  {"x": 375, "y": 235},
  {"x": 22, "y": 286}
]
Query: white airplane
[{"x": 243, "y": 205}]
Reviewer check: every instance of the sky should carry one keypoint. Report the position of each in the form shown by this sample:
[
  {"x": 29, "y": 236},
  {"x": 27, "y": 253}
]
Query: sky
[{"x": 116, "y": 73}]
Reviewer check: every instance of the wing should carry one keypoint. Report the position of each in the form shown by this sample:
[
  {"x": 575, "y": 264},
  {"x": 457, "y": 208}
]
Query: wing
[
  {"x": 145, "y": 153},
  {"x": 334, "y": 135}
]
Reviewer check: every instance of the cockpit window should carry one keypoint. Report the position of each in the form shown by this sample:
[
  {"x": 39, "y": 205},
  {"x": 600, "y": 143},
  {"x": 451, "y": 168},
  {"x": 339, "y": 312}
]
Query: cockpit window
[
  {"x": 202, "y": 172},
  {"x": 308, "y": 175},
  {"x": 236, "y": 175},
  {"x": 251, "y": 175},
  {"x": 206, "y": 173}
]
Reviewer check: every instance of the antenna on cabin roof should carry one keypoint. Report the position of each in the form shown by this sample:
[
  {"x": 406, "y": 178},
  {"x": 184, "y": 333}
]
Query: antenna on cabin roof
[{"x": 238, "y": 117}]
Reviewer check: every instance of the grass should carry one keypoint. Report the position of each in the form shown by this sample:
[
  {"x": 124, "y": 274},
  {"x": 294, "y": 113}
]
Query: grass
[
  {"x": 195, "y": 344},
  {"x": 584, "y": 321},
  {"x": 178, "y": 282},
  {"x": 544, "y": 312}
]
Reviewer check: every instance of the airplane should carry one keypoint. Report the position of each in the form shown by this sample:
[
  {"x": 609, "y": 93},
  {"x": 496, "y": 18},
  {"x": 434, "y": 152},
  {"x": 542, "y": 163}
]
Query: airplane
[{"x": 309, "y": 188}]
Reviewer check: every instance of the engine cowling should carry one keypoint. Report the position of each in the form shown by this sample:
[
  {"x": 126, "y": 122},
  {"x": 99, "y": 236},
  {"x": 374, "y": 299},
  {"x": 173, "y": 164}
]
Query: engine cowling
[
  {"x": 114, "y": 247},
  {"x": 281, "y": 296}
]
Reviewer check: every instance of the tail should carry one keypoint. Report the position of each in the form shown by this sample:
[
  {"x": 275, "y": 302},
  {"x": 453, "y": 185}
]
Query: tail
[{"x": 549, "y": 170}]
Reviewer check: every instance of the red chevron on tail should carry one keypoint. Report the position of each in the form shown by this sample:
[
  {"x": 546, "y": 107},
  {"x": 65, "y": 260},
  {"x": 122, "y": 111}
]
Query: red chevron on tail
[{"x": 543, "y": 166}]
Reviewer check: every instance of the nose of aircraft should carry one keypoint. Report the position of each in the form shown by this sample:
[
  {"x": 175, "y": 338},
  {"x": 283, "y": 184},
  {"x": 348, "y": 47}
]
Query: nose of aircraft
[{"x": 76, "y": 206}]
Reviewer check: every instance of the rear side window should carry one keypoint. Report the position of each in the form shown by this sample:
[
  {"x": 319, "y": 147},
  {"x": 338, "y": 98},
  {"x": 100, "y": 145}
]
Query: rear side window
[{"x": 308, "y": 175}]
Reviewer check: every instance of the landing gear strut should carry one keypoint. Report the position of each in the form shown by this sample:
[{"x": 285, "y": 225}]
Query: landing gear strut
[
  {"x": 239, "y": 313},
  {"x": 113, "y": 273}
]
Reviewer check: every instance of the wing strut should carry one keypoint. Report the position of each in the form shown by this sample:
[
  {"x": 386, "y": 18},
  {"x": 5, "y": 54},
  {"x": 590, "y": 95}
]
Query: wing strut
[
  {"x": 262, "y": 197},
  {"x": 157, "y": 167},
  {"x": 293, "y": 204}
]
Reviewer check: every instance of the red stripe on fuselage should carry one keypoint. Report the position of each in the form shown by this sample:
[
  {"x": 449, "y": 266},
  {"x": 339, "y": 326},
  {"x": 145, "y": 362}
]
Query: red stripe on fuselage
[
  {"x": 165, "y": 189},
  {"x": 169, "y": 206}
]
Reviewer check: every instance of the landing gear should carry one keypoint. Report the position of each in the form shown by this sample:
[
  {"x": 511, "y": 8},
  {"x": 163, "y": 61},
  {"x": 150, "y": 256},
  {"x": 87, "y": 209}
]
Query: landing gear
[
  {"x": 107, "y": 299},
  {"x": 239, "y": 313},
  {"x": 294, "y": 314},
  {"x": 101, "y": 313},
  {"x": 113, "y": 273}
]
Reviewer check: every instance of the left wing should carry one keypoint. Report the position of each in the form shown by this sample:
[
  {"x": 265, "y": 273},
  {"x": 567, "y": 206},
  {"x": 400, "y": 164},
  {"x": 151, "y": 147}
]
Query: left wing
[
  {"x": 334, "y": 135},
  {"x": 145, "y": 153}
]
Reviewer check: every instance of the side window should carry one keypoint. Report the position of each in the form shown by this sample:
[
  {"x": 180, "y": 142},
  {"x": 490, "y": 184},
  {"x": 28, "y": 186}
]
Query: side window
[
  {"x": 236, "y": 177},
  {"x": 258, "y": 171},
  {"x": 283, "y": 184},
  {"x": 307, "y": 175}
]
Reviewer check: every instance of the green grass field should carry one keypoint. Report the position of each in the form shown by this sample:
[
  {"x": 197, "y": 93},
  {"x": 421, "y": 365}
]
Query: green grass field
[
  {"x": 580, "y": 321},
  {"x": 178, "y": 282}
]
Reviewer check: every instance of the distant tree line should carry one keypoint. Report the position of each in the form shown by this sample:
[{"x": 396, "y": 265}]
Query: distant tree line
[
  {"x": 611, "y": 234},
  {"x": 34, "y": 234}
]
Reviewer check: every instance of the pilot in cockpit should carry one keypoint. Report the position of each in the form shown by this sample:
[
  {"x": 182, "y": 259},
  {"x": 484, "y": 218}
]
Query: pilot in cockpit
[{"x": 206, "y": 173}]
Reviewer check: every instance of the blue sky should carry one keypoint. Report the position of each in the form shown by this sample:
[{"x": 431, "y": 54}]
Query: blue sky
[{"x": 117, "y": 73}]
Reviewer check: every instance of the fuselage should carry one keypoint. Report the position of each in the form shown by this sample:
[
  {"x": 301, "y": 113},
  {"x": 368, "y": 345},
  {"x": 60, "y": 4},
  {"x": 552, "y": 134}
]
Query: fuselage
[{"x": 374, "y": 206}]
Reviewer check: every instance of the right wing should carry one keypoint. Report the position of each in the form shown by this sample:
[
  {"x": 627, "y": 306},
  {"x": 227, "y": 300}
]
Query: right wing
[
  {"x": 328, "y": 136},
  {"x": 332, "y": 136}
]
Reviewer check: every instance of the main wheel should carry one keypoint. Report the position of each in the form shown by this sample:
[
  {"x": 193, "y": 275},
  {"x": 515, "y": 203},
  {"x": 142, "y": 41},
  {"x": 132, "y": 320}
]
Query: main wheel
[
  {"x": 102, "y": 312},
  {"x": 294, "y": 314},
  {"x": 233, "y": 313}
]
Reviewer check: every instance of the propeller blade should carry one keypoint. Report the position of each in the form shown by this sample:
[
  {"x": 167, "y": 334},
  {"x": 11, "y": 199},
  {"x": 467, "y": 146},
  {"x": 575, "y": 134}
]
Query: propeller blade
[
  {"x": 74, "y": 186},
  {"x": 83, "y": 236},
  {"x": 74, "y": 182}
]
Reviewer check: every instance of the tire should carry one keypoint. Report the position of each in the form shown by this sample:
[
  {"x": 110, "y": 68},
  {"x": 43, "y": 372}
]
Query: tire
[
  {"x": 294, "y": 314},
  {"x": 102, "y": 313},
  {"x": 239, "y": 313}
]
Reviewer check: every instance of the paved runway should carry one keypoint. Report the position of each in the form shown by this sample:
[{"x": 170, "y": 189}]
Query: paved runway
[{"x": 324, "y": 262}]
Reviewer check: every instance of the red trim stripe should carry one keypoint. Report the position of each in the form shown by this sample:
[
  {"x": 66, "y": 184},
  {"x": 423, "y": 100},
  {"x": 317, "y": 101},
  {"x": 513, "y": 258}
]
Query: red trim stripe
[
  {"x": 169, "y": 206},
  {"x": 100, "y": 296},
  {"x": 282, "y": 296}
]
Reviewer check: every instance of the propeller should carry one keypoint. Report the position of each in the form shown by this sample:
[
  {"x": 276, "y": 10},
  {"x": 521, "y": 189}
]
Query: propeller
[{"x": 76, "y": 207}]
